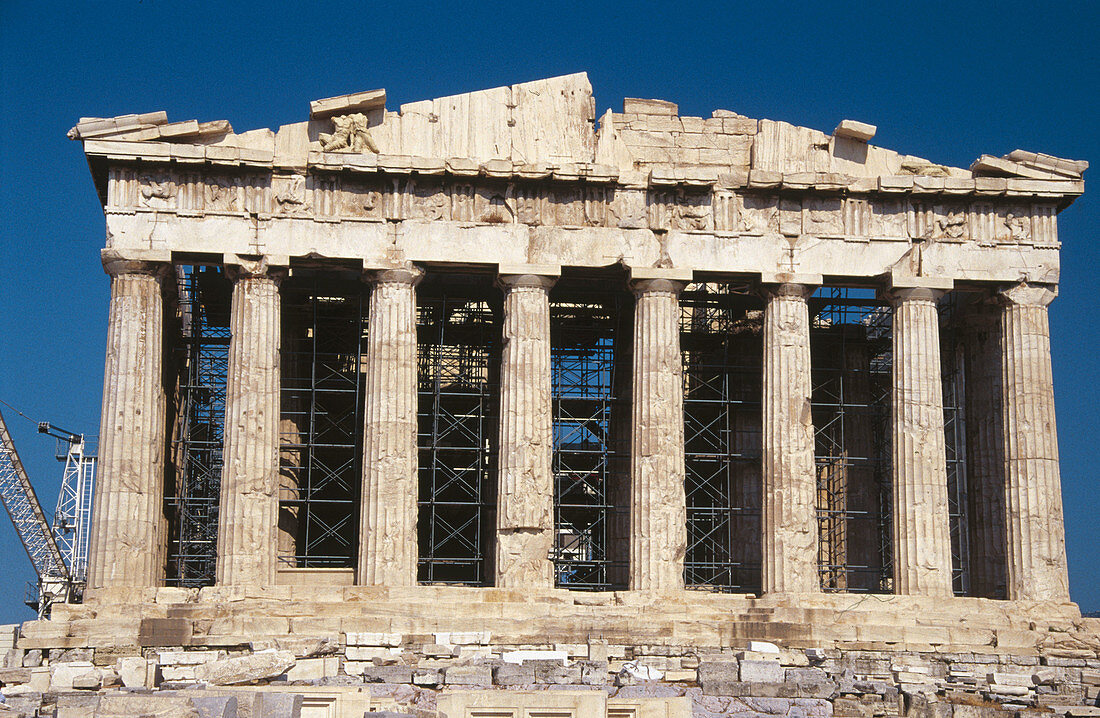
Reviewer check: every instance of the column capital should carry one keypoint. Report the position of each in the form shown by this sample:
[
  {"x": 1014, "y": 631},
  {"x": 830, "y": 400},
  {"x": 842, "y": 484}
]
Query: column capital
[
  {"x": 779, "y": 278},
  {"x": 644, "y": 280},
  {"x": 407, "y": 273},
  {"x": 1028, "y": 295},
  {"x": 153, "y": 264},
  {"x": 900, "y": 289},
  {"x": 894, "y": 280},
  {"x": 898, "y": 295},
  {"x": 785, "y": 284},
  {"x": 249, "y": 266},
  {"x": 535, "y": 276}
]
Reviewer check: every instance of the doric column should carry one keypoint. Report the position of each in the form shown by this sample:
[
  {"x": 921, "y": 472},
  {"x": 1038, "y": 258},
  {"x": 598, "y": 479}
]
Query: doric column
[
  {"x": 387, "y": 526},
  {"x": 790, "y": 482},
  {"x": 1035, "y": 537},
  {"x": 985, "y": 465},
  {"x": 922, "y": 541},
  {"x": 249, "y": 509},
  {"x": 658, "y": 507},
  {"x": 127, "y": 537},
  {"x": 525, "y": 485}
]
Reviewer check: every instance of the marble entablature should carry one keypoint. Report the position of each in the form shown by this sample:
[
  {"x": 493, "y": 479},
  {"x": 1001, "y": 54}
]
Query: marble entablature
[{"x": 644, "y": 188}]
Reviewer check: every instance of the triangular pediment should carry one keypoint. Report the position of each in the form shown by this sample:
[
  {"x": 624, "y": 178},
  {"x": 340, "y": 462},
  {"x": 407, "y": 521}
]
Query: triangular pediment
[{"x": 550, "y": 125}]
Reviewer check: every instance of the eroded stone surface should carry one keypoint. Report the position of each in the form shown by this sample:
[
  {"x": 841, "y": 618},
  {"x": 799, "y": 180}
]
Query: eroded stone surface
[
  {"x": 387, "y": 533},
  {"x": 1036, "y": 541},
  {"x": 922, "y": 542},
  {"x": 790, "y": 479},
  {"x": 244, "y": 669},
  {"x": 658, "y": 512},
  {"x": 248, "y": 512},
  {"x": 525, "y": 494},
  {"x": 126, "y": 545}
]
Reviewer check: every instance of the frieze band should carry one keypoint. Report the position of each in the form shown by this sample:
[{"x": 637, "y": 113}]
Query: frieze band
[{"x": 335, "y": 197}]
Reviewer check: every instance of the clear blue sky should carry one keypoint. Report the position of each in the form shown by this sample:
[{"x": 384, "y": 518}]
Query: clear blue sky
[{"x": 942, "y": 80}]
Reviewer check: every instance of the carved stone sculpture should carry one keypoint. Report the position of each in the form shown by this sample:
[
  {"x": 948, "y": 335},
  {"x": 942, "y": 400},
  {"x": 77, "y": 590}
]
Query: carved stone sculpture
[
  {"x": 157, "y": 191},
  {"x": 953, "y": 225},
  {"x": 351, "y": 135},
  {"x": 291, "y": 198},
  {"x": 1019, "y": 227}
]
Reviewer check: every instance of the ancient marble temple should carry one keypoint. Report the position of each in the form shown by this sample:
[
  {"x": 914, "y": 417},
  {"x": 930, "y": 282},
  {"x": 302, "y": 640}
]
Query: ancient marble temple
[{"x": 494, "y": 364}]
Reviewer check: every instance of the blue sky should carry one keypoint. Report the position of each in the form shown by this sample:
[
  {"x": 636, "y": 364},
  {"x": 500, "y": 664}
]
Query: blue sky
[{"x": 942, "y": 80}]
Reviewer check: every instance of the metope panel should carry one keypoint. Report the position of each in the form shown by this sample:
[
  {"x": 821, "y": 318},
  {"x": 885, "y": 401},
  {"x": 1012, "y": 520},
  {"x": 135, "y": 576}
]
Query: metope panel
[
  {"x": 201, "y": 356},
  {"x": 320, "y": 458},
  {"x": 458, "y": 365},
  {"x": 590, "y": 370},
  {"x": 721, "y": 346}
]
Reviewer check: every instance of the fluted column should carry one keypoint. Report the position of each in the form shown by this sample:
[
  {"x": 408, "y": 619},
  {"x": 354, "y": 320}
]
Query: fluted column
[
  {"x": 249, "y": 508},
  {"x": 127, "y": 535},
  {"x": 922, "y": 541},
  {"x": 790, "y": 481},
  {"x": 1035, "y": 537},
  {"x": 658, "y": 507},
  {"x": 525, "y": 485},
  {"x": 387, "y": 527},
  {"x": 985, "y": 466}
]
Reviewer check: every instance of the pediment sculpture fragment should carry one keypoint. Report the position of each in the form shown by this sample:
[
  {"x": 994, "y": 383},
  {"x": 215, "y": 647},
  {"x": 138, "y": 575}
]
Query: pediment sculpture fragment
[{"x": 351, "y": 135}]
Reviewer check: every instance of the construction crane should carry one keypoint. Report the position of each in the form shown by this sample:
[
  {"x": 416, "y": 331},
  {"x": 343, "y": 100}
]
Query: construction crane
[
  {"x": 58, "y": 553},
  {"x": 72, "y": 519}
]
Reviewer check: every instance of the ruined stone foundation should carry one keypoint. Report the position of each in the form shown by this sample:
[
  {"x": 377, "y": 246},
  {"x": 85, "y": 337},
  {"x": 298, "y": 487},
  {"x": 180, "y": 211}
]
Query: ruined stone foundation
[{"x": 362, "y": 651}]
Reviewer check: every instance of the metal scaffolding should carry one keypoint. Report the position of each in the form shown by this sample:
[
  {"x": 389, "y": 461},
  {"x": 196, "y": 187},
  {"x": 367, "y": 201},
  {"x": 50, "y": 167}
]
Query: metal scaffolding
[
  {"x": 721, "y": 345},
  {"x": 850, "y": 341},
  {"x": 952, "y": 361},
  {"x": 323, "y": 354},
  {"x": 201, "y": 358},
  {"x": 458, "y": 357},
  {"x": 589, "y": 339},
  {"x": 459, "y": 329}
]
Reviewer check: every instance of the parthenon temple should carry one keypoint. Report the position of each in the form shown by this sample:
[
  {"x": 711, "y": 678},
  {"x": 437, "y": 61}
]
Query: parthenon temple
[{"x": 597, "y": 388}]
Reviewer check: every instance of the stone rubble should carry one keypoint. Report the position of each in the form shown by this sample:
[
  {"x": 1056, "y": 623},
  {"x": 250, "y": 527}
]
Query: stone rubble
[
  {"x": 763, "y": 678},
  {"x": 245, "y": 669}
]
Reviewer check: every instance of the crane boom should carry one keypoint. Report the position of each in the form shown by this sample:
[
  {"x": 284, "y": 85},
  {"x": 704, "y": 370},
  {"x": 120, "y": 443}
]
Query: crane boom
[{"x": 26, "y": 513}]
